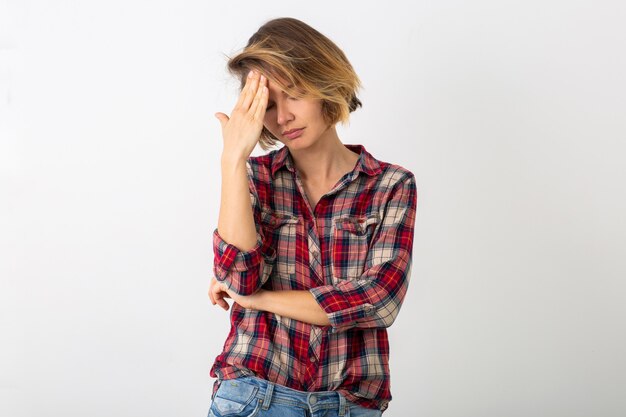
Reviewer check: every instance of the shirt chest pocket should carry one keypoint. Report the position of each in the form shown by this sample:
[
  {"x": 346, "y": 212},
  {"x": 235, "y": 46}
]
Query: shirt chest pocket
[
  {"x": 282, "y": 230},
  {"x": 351, "y": 237}
]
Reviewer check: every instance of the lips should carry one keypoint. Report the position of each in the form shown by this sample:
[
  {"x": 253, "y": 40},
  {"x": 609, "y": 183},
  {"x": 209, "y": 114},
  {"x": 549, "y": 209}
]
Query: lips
[
  {"x": 287, "y": 132},
  {"x": 293, "y": 133}
]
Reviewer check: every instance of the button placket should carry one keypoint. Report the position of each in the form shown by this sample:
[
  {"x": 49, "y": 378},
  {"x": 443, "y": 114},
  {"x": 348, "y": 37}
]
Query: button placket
[{"x": 315, "y": 257}]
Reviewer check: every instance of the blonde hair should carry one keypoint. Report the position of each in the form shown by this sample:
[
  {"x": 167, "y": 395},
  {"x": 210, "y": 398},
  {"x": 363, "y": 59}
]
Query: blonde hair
[{"x": 290, "y": 52}]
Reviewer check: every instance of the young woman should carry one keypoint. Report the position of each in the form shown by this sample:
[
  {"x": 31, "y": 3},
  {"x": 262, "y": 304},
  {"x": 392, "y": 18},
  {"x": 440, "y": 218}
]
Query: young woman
[{"x": 313, "y": 242}]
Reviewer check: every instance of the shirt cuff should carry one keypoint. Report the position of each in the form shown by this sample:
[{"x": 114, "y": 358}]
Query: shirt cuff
[
  {"x": 228, "y": 257},
  {"x": 341, "y": 313}
]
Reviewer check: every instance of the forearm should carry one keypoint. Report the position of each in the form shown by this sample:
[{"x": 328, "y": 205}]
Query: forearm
[
  {"x": 298, "y": 305},
  {"x": 236, "y": 222}
]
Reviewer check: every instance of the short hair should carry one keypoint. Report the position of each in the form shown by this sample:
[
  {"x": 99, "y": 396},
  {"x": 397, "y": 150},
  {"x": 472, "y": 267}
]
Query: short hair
[{"x": 289, "y": 51}]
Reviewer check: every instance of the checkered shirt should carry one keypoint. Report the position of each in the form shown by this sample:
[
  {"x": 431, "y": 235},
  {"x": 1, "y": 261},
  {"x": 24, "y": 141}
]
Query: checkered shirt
[{"x": 352, "y": 252}]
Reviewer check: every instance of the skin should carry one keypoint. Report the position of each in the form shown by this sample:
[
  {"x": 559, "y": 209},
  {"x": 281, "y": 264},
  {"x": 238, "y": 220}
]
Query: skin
[{"x": 320, "y": 159}]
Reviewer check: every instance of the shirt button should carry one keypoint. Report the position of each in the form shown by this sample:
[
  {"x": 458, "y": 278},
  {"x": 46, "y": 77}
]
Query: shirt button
[
  {"x": 312, "y": 399},
  {"x": 316, "y": 254},
  {"x": 313, "y": 359}
]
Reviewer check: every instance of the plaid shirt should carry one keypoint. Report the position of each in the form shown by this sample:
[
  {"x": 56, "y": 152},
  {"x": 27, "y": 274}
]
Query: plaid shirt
[{"x": 353, "y": 252}]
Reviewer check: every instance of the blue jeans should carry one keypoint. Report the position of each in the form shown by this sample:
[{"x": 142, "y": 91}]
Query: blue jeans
[{"x": 250, "y": 396}]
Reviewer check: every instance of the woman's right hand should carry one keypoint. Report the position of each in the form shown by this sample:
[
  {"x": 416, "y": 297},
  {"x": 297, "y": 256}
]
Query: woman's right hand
[{"x": 241, "y": 132}]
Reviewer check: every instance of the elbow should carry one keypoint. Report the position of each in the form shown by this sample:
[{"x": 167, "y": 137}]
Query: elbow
[
  {"x": 385, "y": 315},
  {"x": 385, "y": 320}
]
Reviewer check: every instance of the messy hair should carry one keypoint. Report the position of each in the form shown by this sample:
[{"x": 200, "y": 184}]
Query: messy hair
[{"x": 290, "y": 52}]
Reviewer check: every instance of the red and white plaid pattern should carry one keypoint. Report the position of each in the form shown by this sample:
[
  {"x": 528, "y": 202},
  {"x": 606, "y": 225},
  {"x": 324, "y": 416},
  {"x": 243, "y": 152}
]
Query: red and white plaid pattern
[{"x": 353, "y": 252}]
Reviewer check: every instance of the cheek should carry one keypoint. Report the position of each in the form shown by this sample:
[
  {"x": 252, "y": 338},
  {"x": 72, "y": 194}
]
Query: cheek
[
  {"x": 269, "y": 122},
  {"x": 313, "y": 111},
  {"x": 269, "y": 119}
]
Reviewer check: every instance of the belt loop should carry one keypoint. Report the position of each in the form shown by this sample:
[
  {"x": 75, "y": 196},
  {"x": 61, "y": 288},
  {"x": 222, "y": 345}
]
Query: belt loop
[
  {"x": 342, "y": 405},
  {"x": 268, "y": 395}
]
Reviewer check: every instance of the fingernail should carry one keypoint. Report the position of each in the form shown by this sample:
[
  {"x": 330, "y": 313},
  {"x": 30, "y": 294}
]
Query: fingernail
[{"x": 251, "y": 73}]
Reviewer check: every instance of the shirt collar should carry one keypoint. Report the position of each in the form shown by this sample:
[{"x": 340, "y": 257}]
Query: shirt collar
[{"x": 366, "y": 162}]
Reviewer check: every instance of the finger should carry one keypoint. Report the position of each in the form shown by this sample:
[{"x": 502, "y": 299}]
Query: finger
[
  {"x": 223, "y": 304},
  {"x": 251, "y": 92},
  {"x": 217, "y": 289},
  {"x": 222, "y": 118},
  {"x": 219, "y": 299},
  {"x": 258, "y": 94},
  {"x": 245, "y": 89},
  {"x": 217, "y": 293},
  {"x": 211, "y": 292},
  {"x": 211, "y": 285},
  {"x": 261, "y": 103}
]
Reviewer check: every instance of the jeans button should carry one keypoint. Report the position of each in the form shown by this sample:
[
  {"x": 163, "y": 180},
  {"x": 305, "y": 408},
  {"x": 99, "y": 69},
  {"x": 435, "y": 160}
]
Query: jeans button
[{"x": 312, "y": 399}]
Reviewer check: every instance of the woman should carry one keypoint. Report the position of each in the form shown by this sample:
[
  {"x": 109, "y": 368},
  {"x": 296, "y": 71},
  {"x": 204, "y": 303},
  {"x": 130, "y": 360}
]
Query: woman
[{"x": 314, "y": 239}]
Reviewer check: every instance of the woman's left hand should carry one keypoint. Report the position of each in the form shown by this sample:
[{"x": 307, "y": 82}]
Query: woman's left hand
[{"x": 218, "y": 291}]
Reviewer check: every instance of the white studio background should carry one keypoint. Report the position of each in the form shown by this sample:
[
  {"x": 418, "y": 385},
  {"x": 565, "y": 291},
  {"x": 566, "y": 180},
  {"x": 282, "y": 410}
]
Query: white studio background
[{"x": 511, "y": 114}]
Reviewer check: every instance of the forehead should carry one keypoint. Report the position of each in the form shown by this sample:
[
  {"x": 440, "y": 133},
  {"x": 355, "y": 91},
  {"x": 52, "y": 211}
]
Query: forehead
[
  {"x": 278, "y": 85},
  {"x": 276, "y": 82}
]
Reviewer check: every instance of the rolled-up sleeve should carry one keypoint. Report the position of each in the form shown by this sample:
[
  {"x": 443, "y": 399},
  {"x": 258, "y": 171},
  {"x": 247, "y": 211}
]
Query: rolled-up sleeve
[
  {"x": 244, "y": 271},
  {"x": 375, "y": 298}
]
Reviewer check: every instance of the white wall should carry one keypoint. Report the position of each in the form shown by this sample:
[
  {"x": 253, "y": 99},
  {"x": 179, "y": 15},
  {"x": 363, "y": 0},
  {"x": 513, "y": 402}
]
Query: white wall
[{"x": 510, "y": 113}]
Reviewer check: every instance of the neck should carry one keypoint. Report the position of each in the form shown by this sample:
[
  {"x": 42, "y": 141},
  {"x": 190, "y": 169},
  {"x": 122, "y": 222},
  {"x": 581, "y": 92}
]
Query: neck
[{"x": 325, "y": 160}]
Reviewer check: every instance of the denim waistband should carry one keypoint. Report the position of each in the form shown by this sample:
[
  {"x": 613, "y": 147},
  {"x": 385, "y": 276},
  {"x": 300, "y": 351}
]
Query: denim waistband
[{"x": 313, "y": 401}]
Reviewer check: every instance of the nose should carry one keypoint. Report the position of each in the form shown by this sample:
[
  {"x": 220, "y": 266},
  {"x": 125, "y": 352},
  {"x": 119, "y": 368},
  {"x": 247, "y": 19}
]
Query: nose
[{"x": 283, "y": 113}]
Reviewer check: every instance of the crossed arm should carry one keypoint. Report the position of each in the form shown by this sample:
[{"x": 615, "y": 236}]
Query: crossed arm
[
  {"x": 236, "y": 225},
  {"x": 372, "y": 300},
  {"x": 295, "y": 304}
]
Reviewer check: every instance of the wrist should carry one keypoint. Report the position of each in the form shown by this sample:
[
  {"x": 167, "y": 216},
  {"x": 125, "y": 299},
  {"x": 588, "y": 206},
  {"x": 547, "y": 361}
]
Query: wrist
[
  {"x": 232, "y": 165},
  {"x": 233, "y": 157},
  {"x": 258, "y": 300}
]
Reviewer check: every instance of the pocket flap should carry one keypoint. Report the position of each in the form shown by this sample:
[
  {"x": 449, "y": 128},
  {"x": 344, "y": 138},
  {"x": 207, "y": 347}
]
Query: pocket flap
[
  {"x": 355, "y": 224},
  {"x": 274, "y": 220}
]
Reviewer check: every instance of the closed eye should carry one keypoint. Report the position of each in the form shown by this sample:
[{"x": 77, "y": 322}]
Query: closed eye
[{"x": 270, "y": 105}]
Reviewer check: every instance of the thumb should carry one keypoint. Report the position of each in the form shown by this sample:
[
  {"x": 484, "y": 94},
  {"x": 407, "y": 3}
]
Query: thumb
[{"x": 222, "y": 118}]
